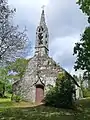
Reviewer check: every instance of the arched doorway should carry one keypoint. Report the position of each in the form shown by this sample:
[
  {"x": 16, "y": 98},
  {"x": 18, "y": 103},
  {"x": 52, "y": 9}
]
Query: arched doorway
[{"x": 39, "y": 93}]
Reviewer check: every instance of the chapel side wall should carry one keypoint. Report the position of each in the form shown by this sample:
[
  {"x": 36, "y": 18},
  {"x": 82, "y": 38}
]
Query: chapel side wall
[
  {"x": 25, "y": 87},
  {"x": 28, "y": 89},
  {"x": 16, "y": 88}
]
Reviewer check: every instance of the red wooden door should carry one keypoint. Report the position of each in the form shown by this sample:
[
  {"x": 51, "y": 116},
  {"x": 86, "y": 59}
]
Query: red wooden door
[{"x": 39, "y": 93}]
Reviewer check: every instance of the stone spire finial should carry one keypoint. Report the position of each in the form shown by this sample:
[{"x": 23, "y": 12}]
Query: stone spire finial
[
  {"x": 43, "y": 7},
  {"x": 42, "y": 20}
]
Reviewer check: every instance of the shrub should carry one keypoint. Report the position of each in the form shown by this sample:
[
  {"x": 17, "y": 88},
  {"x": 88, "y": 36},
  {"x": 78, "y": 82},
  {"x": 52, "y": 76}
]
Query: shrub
[
  {"x": 16, "y": 98},
  {"x": 86, "y": 92},
  {"x": 2, "y": 89},
  {"x": 9, "y": 88},
  {"x": 62, "y": 94}
]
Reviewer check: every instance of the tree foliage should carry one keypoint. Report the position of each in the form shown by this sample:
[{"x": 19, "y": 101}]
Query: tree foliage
[
  {"x": 4, "y": 81},
  {"x": 86, "y": 92},
  {"x": 85, "y": 7},
  {"x": 6, "y": 78},
  {"x": 82, "y": 51},
  {"x": 82, "y": 48},
  {"x": 19, "y": 67},
  {"x": 12, "y": 41},
  {"x": 62, "y": 94}
]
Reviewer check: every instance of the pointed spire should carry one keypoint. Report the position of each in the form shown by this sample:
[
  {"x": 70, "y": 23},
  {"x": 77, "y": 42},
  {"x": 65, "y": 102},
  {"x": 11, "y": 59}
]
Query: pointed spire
[
  {"x": 42, "y": 36},
  {"x": 42, "y": 20}
]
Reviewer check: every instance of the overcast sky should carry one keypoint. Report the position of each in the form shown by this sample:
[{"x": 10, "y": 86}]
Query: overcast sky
[{"x": 65, "y": 23}]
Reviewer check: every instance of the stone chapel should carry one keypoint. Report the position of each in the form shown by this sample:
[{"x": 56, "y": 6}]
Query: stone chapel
[{"x": 41, "y": 70}]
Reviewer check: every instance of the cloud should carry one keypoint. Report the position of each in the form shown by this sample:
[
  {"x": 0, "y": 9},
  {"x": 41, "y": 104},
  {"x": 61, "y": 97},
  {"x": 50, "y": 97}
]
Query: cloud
[
  {"x": 65, "y": 22},
  {"x": 62, "y": 50},
  {"x": 65, "y": 18}
]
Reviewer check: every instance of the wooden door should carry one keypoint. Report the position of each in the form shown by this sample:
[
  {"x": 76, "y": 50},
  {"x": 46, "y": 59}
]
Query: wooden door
[{"x": 39, "y": 93}]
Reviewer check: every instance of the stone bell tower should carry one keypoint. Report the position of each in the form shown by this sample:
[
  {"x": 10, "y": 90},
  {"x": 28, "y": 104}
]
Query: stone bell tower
[{"x": 42, "y": 37}]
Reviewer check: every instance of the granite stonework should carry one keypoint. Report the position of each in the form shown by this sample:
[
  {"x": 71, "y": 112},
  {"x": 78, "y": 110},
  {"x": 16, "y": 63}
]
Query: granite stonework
[
  {"x": 45, "y": 75},
  {"x": 41, "y": 69}
]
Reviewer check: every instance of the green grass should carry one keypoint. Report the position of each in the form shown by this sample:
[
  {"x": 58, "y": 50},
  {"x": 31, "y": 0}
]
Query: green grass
[
  {"x": 5, "y": 103},
  {"x": 24, "y": 111}
]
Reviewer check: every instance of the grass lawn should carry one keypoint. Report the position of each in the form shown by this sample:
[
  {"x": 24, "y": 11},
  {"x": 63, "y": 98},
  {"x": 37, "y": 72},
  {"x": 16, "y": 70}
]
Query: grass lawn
[{"x": 25, "y": 111}]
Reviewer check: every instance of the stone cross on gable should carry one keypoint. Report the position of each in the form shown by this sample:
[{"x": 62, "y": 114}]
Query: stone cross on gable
[{"x": 43, "y": 7}]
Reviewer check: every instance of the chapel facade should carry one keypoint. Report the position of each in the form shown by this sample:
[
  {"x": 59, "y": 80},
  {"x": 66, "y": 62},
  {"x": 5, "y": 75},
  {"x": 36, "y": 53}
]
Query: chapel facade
[{"x": 42, "y": 71}]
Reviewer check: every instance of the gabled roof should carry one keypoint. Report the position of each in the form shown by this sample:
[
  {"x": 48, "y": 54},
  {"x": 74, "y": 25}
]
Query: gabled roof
[{"x": 71, "y": 77}]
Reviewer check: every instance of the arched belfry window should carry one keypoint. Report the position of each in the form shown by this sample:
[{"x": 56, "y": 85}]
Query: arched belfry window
[
  {"x": 40, "y": 29},
  {"x": 46, "y": 36},
  {"x": 46, "y": 42}
]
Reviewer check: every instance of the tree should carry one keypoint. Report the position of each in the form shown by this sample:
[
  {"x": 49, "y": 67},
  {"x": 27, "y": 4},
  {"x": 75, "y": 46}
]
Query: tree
[
  {"x": 4, "y": 81},
  {"x": 82, "y": 51},
  {"x": 82, "y": 48},
  {"x": 18, "y": 67},
  {"x": 62, "y": 94},
  {"x": 85, "y": 7},
  {"x": 12, "y": 41}
]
